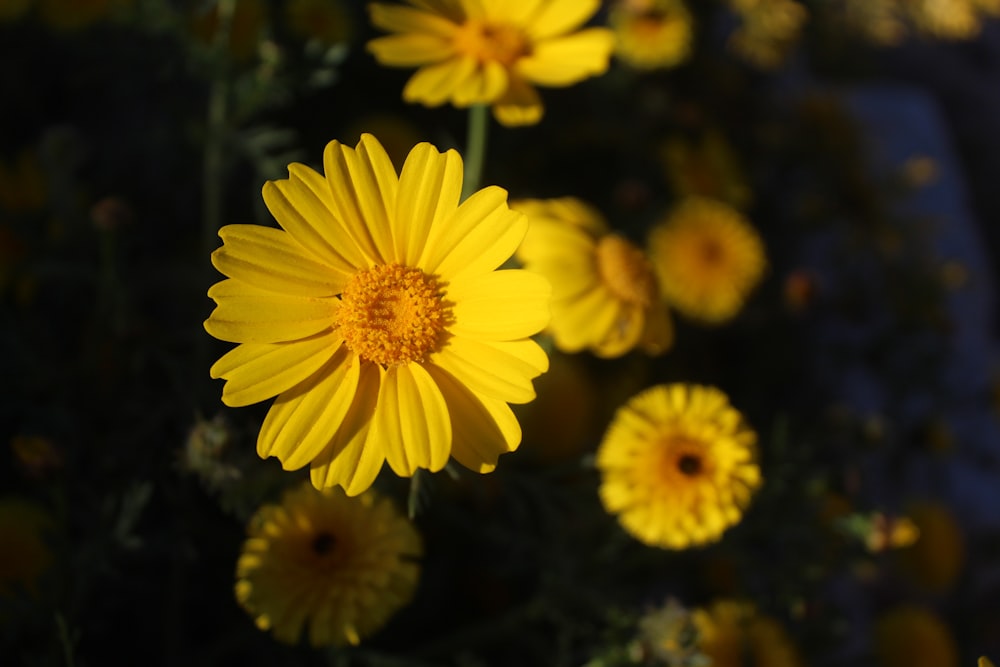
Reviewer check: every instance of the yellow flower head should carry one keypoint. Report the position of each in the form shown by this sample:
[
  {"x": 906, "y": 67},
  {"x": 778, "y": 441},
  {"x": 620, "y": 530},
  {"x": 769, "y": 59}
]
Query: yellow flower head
[
  {"x": 768, "y": 30},
  {"x": 913, "y": 636},
  {"x": 678, "y": 466},
  {"x": 733, "y": 634},
  {"x": 984, "y": 662},
  {"x": 708, "y": 258},
  {"x": 491, "y": 51},
  {"x": 651, "y": 34},
  {"x": 945, "y": 19},
  {"x": 377, "y": 318},
  {"x": 337, "y": 565},
  {"x": 604, "y": 292},
  {"x": 25, "y": 554},
  {"x": 707, "y": 167}
]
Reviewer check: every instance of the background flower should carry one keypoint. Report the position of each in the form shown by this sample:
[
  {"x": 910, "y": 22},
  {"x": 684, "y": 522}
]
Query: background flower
[{"x": 339, "y": 567}]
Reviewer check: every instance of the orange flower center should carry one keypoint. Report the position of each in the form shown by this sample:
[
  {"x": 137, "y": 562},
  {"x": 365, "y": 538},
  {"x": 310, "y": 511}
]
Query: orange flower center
[
  {"x": 625, "y": 270},
  {"x": 393, "y": 314},
  {"x": 683, "y": 458},
  {"x": 492, "y": 42}
]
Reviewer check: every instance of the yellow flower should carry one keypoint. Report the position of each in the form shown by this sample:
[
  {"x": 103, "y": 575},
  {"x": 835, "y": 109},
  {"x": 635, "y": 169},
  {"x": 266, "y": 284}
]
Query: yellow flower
[
  {"x": 324, "y": 20},
  {"x": 935, "y": 560},
  {"x": 340, "y": 566},
  {"x": 24, "y": 553},
  {"x": 984, "y": 662},
  {"x": 651, "y": 34},
  {"x": 604, "y": 292},
  {"x": 706, "y": 167},
  {"x": 946, "y": 19},
  {"x": 678, "y": 465},
  {"x": 377, "y": 317},
  {"x": 708, "y": 258},
  {"x": 733, "y": 634},
  {"x": 768, "y": 30},
  {"x": 912, "y": 636},
  {"x": 491, "y": 52}
]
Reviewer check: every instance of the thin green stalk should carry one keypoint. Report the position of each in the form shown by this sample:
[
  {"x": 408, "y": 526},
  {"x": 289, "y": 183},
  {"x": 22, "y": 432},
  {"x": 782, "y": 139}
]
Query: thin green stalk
[{"x": 475, "y": 148}]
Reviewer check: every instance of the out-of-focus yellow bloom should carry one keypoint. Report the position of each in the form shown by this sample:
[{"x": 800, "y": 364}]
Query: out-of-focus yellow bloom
[
  {"x": 768, "y": 30},
  {"x": 668, "y": 636},
  {"x": 944, "y": 19},
  {"x": 25, "y": 553},
  {"x": 338, "y": 566},
  {"x": 651, "y": 34},
  {"x": 935, "y": 560},
  {"x": 706, "y": 168},
  {"x": 912, "y": 636},
  {"x": 732, "y": 634},
  {"x": 469, "y": 52},
  {"x": 678, "y": 466},
  {"x": 984, "y": 662},
  {"x": 324, "y": 20},
  {"x": 377, "y": 317},
  {"x": 708, "y": 257},
  {"x": 604, "y": 292}
]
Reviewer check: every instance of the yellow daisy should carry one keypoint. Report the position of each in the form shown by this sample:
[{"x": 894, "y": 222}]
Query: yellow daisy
[
  {"x": 491, "y": 51},
  {"x": 733, "y": 634},
  {"x": 378, "y": 319},
  {"x": 337, "y": 565},
  {"x": 604, "y": 292},
  {"x": 913, "y": 636},
  {"x": 678, "y": 465},
  {"x": 651, "y": 34},
  {"x": 708, "y": 258}
]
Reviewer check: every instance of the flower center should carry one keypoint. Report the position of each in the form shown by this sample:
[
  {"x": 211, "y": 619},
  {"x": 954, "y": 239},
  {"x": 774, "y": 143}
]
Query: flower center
[
  {"x": 689, "y": 464},
  {"x": 392, "y": 314},
  {"x": 625, "y": 271},
  {"x": 323, "y": 543},
  {"x": 711, "y": 251},
  {"x": 492, "y": 42}
]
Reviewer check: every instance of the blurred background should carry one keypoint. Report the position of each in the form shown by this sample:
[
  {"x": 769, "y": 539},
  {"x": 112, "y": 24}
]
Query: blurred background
[{"x": 860, "y": 137}]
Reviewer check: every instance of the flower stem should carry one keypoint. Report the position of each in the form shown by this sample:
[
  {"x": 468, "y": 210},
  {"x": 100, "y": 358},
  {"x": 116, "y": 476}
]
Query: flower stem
[{"x": 475, "y": 148}]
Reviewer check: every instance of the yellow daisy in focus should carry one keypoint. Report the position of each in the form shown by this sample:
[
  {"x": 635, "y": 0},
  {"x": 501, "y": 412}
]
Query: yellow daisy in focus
[
  {"x": 733, "y": 634},
  {"x": 708, "y": 258},
  {"x": 339, "y": 567},
  {"x": 471, "y": 52},
  {"x": 651, "y": 34},
  {"x": 913, "y": 636},
  {"x": 377, "y": 318},
  {"x": 678, "y": 466},
  {"x": 604, "y": 292}
]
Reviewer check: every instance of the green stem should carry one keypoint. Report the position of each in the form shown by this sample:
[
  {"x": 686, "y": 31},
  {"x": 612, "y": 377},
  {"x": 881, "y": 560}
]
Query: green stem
[{"x": 475, "y": 148}]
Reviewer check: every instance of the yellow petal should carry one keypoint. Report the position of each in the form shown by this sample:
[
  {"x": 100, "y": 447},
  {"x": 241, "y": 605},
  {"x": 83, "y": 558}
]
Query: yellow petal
[
  {"x": 659, "y": 333},
  {"x": 303, "y": 420},
  {"x": 352, "y": 460},
  {"x": 399, "y": 18},
  {"x": 520, "y": 104},
  {"x": 433, "y": 85},
  {"x": 482, "y": 428},
  {"x": 429, "y": 188},
  {"x": 411, "y": 421},
  {"x": 481, "y": 235},
  {"x": 268, "y": 258},
  {"x": 505, "y": 11},
  {"x": 248, "y": 314},
  {"x": 557, "y": 17},
  {"x": 547, "y": 237},
  {"x": 410, "y": 50},
  {"x": 626, "y": 330},
  {"x": 583, "y": 322},
  {"x": 364, "y": 185},
  {"x": 257, "y": 371},
  {"x": 496, "y": 370},
  {"x": 568, "y": 60},
  {"x": 487, "y": 84},
  {"x": 500, "y": 305}
]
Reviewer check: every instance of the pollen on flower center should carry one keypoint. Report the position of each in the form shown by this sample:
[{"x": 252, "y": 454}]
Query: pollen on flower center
[
  {"x": 625, "y": 271},
  {"x": 323, "y": 543},
  {"x": 392, "y": 314},
  {"x": 492, "y": 42}
]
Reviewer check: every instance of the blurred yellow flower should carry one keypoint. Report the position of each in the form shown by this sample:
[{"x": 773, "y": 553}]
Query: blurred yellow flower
[
  {"x": 708, "y": 258},
  {"x": 25, "y": 553},
  {"x": 707, "y": 167},
  {"x": 768, "y": 30},
  {"x": 470, "y": 52},
  {"x": 651, "y": 34},
  {"x": 339, "y": 567},
  {"x": 935, "y": 560},
  {"x": 912, "y": 636},
  {"x": 678, "y": 466},
  {"x": 984, "y": 662},
  {"x": 324, "y": 20},
  {"x": 604, "y": 292},
  {"x": 734, "y": 634},
  {"x": 377, "y": 317}
]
